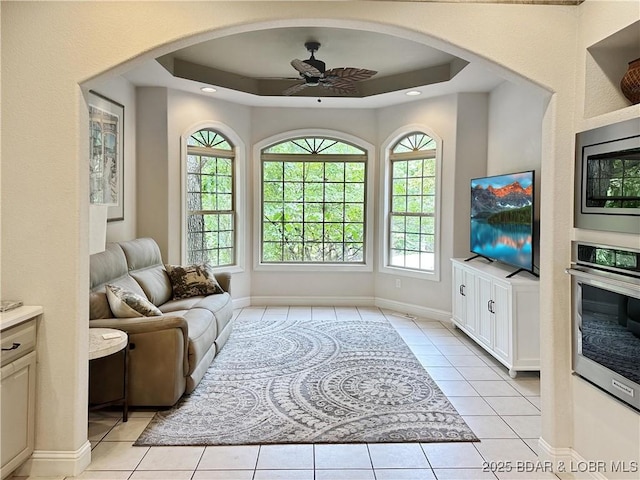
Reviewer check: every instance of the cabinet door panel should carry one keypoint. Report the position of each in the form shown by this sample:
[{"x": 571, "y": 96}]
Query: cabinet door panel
[
  {"x": 483, "y": 300},
  {"x": 17, "y": 389},
  {"x": 459, "y": 299},
  {"x": 502, "y": 321},
  {"x": 471, "y": 321},
  {"x": 463, "y": 295}
]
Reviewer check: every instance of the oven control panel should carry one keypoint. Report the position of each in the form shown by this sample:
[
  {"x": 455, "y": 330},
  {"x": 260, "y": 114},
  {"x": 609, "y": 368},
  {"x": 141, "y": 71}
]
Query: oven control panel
[{"x": 614, "y": 259}]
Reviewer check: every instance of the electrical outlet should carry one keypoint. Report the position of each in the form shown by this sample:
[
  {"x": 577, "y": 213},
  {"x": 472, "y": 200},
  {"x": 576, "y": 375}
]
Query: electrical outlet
[{"x": 398, "y": 284}]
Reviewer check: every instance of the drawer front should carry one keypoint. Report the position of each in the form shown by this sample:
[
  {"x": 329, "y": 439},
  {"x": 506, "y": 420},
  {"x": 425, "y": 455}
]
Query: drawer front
[{"x": 18, "y": 341}]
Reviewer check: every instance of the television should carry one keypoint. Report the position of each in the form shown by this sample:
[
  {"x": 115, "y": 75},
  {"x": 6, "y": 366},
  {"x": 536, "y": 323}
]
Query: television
[{"x": 502, "y": 219}]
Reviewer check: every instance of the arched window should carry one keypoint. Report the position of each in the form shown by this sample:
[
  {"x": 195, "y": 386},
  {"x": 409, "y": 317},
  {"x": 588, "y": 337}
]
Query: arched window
[
  {"x": 412, "y": 203},
  {"x": 210, "y": 202},
  {"x": 313, "y": 202}
]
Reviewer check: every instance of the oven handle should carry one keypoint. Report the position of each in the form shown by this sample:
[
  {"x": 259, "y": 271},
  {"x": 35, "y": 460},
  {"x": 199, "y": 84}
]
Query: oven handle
[{"x": 613, "y": 284}]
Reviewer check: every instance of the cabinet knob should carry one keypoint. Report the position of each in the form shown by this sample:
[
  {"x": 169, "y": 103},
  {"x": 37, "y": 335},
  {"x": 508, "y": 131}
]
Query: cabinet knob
[{"x": 12, "y": 347}]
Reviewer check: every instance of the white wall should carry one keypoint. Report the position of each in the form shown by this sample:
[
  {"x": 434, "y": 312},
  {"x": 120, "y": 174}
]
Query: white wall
[
  {"x": 153, "y": 166},
  {"x": 123, "y": 92},
  {"x": 443, "y": 117},
  {"x": 515, "y": 137},
  {"x": 267, "y": 122},
  {"x": 617, "y": 426},
  {"x": 186, "y": 113},
  {"x": 165, "y": 117},
  {"x": 471, "y": 162},
  {"x": 459, "y": 120},
  {"x": 45, "y": 260},
  {"x": 515, "y": 128}
]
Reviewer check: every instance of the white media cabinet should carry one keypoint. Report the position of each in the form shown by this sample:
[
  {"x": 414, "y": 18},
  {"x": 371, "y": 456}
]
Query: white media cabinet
[{"x": 500, "y": 314}]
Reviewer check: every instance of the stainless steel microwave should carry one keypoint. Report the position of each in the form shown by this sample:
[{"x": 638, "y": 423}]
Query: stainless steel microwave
[{"x": 607, "y": 178}]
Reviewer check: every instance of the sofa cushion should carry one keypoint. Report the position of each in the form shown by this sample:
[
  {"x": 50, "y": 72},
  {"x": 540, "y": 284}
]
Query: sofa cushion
[
  {"x": 141, "y": 253},
  {"x": 109, "y": 266},
  {"x": 213, "y": 303},
  {"x": 219, "y": 305},
  {"x": 155, "y": 283},
  {"x": 127, "y": 304},
  {"x": 182, "y": 304},
  {"x": 146, "y": 267},
  {"x": 192, "y": 280}
]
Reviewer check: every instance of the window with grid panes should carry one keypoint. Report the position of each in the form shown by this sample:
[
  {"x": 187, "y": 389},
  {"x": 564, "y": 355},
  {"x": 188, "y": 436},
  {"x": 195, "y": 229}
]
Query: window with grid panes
[
  {"x": 412, "y": 209},
  {"x": 313, "y": 202},
  {"x": 210, "y": 199}
]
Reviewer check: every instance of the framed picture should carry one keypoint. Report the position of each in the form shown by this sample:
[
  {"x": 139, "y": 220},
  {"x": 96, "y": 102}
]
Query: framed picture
[{"x": 106, "y": 162}]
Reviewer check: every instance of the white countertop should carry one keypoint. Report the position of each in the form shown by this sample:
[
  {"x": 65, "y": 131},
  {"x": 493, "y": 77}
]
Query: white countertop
[{"x": 18, "y": 315}]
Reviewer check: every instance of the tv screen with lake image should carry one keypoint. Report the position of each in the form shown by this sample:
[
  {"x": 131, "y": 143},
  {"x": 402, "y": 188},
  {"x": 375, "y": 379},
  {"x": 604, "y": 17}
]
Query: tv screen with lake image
[{"x": 502, "y": 218}]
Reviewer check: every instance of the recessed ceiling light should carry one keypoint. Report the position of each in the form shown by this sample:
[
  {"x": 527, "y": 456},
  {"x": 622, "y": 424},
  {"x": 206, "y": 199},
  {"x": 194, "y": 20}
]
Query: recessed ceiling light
[
  {"x": 413, "y": 93},
  {"x": 208, "y": 89}
]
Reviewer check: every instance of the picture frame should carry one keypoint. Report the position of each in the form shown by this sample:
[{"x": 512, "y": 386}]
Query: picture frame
[{"x": 106, "y": 154}]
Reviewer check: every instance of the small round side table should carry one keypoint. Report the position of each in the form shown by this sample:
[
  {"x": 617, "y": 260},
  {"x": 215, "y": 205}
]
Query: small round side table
[{"x": 108, "y": 341}]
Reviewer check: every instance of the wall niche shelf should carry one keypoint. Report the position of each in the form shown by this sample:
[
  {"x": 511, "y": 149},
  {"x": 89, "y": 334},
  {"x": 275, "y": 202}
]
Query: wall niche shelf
[{"x": 606, "y": 63}]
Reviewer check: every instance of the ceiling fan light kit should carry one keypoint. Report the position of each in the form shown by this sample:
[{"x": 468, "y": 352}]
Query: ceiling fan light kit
[{"x": 313, "y": 73}]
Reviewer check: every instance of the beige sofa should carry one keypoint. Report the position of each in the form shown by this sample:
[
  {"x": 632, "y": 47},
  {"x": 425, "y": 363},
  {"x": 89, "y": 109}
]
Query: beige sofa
[{"x": 169, "y": 354}]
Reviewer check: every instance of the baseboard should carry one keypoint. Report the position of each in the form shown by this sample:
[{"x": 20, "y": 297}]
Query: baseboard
[
  {"x": 314, "y": 301},
  {"x": 51, "y": 463},
  {"x": 415, "y": 310},
  {"x": 401, "y": 307},
  {"x": 567, "y": 463},
  {"x": 241, "y": 302}
]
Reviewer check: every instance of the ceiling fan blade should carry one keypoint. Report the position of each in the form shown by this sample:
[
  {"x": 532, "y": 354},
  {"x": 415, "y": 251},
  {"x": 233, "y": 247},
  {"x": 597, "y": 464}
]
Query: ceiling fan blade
[
  {"x": 294, "y": 89},
  {"x": 305, "y": 69},
  {"x": 342, "y": 83},
  {"x": 343, "y": 88},
  {"x": 353, "y": 74}
]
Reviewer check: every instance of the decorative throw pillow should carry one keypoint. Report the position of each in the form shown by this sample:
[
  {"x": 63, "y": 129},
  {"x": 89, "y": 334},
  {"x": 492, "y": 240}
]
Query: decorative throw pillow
[
  {"x": 127, "y": 304},
  {"x": 192, "y": 280}
]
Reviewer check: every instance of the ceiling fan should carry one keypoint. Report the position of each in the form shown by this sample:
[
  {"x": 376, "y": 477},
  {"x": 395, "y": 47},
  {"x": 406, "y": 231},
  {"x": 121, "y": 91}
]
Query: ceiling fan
[{"x": 313, "y": 73}]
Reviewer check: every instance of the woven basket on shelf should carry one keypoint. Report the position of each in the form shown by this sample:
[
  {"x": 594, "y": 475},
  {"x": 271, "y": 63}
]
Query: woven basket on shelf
[{"x": 630, "y": 82}]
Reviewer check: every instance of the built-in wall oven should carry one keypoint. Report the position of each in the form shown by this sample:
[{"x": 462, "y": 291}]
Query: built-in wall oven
[{"x": 606, "y": 318}]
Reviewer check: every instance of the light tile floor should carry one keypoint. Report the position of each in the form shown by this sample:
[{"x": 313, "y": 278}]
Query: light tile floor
[{"x": 503, "y": 412}]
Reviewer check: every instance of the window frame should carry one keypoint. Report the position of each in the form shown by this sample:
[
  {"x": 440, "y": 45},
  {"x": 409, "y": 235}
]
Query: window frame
[
  {"x": 386, "y": 180},
  {"x": 369, "y": 247},
  {"x": 237, "y": 194}
]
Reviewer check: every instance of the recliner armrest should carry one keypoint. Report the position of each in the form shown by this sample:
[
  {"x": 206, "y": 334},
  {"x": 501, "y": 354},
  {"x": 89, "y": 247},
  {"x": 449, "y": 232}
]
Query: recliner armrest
[
  {"x": 224, "y": 279},
  {"x": 141, "y": 325},
  {"x": 159, "y": 360}
]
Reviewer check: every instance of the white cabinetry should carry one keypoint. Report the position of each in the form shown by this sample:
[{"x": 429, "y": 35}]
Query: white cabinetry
[
  {"x": 501, "y": 314},
  {"x": 17, "y": 386},
  {"x": 464, "y": 312}
]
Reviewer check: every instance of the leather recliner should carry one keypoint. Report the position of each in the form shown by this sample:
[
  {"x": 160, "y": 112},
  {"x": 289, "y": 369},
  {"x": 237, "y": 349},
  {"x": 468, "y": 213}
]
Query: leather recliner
[{"x": 168, "y": 354}]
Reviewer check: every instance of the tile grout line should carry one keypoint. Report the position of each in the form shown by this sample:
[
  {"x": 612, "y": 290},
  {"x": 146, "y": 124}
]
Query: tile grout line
[
  {"x": 424, "y": 334},
  {"x": 519, "y": 393}
]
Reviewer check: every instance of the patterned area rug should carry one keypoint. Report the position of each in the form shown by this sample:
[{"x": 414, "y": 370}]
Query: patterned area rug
[{"x": 311, "y": 381}]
